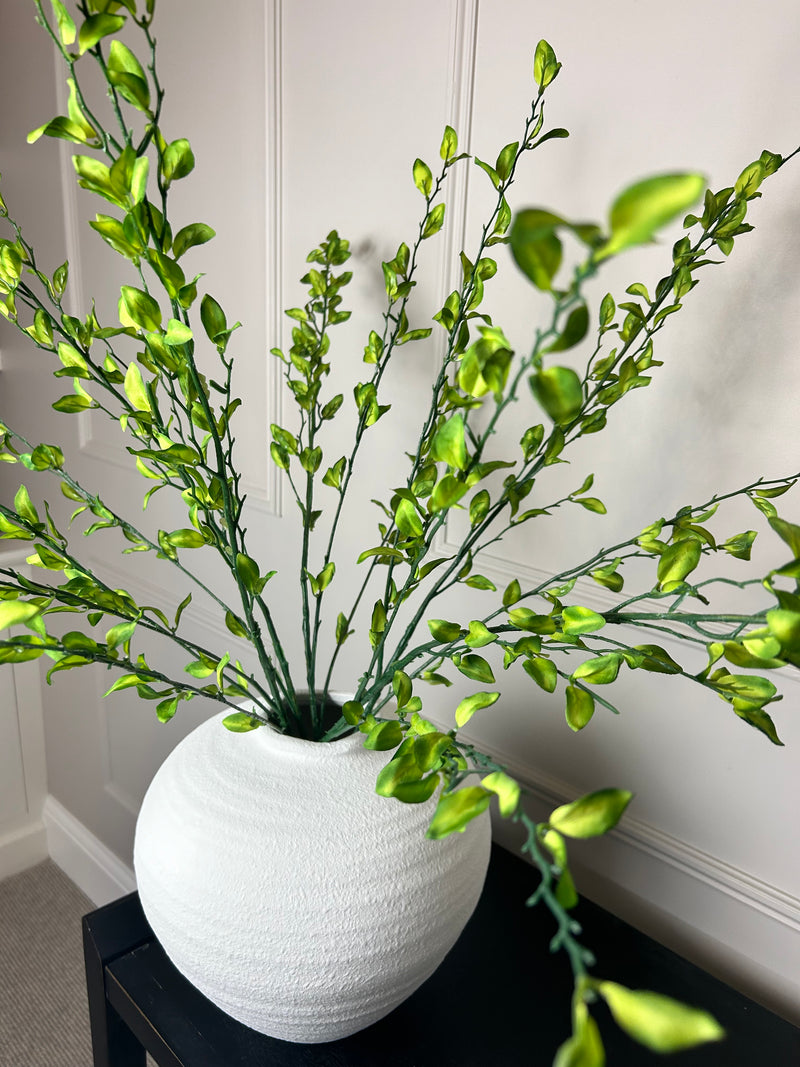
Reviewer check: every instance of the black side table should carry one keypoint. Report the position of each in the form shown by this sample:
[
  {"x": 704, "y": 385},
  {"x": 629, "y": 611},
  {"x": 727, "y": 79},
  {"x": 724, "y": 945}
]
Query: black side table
[{"x": 498, "y": 1000}]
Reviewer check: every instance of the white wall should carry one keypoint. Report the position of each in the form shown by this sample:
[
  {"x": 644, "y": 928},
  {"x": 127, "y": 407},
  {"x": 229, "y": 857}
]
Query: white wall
[{"x": 308, "y": 116}]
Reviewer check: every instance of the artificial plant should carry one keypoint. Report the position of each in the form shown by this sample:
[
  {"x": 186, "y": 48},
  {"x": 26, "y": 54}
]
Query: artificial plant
[{"x": 143, "y": 372}]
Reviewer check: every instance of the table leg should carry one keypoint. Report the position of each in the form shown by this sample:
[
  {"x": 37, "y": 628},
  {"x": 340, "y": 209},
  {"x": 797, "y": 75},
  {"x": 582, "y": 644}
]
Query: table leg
[{"x": 104, "y": 939}]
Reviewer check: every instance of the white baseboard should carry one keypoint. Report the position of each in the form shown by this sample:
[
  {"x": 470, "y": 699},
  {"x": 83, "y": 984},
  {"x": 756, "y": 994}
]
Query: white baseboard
[
  {"x": 23, "y": 848},
  {"x": 91, "y": 865}
]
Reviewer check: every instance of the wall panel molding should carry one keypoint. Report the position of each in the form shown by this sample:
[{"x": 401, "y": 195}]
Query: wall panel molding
[
  {"x": 263, "y": 497},
  {"x": 741, "y": 928}
]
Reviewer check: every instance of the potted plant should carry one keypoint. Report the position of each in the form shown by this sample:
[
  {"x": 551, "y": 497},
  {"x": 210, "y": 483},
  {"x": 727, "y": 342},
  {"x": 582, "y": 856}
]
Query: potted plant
[{"x": 164, "y": 369}]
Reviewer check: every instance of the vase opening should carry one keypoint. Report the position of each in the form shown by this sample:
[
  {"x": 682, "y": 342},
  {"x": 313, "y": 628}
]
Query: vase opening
[{"x": 308, "y": 727}]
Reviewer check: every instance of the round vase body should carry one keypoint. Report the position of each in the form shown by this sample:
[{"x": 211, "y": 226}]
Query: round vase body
[{"x": 288, "y": 892}]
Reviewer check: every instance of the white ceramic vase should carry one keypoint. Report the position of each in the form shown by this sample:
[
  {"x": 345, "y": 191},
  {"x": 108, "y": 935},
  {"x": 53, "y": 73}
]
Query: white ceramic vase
[{"x": 287, "y": 891}]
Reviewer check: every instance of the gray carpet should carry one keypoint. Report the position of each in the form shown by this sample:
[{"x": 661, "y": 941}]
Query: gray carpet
[{"x": 44, "y": 1021}]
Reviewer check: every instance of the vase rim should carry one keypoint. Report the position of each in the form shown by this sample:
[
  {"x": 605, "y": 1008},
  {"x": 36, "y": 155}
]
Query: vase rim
[{"x": 287, "y": 743}]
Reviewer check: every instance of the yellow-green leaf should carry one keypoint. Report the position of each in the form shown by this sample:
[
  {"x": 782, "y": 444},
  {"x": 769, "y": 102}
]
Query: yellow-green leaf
[
  {"x": 645, "y": 207},
  {"x": 135, "y": 389},
  {"x": 455, "y": 810},
  {"x": 580, "y": 707},
  {"x": 658, "y": 1022},
  {"x": 591, "y": 815}
]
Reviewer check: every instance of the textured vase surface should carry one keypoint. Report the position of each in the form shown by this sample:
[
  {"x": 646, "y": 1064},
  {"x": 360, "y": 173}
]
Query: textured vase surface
[{"x": 287, "y": 891}]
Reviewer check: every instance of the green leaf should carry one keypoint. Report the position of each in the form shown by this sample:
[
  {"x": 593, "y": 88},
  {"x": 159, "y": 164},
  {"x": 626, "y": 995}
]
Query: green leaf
[
  {"x": 601, "y": 670},
  {"x": 455, "y": 810},
  {"x": 543, "y": 671},
  {"x": 505, "y": 160},
  {"x": 178, "y": 333},
  {"x": 559, "y": 391},
  {"x": 247, "y": 569},
  {"x": 325, "y": 577},
  {"x": 240, "y": 722},
  {"x": 384, "y": 736},
  {"x": 575, "y": 329},
  {"x": 196, "y": 233},
  {"x": 127, "y": 681},
  {"x": 333, "y": 475},
  {"x": 657, "y": 660},
  {"x": 478, "y": 581},
  {"x": 407, "y": 518},
  {"x": 138, "y": 309},
  {"x": 536, "y": 248},
  {"x": 47, "y": 457},
  {"x": 126, "y": 74},
  {"x": 784, "y": 624},
  {"x": 64, "y": 128},
  {"x": 449, "y": 144},
  {"x": 585, "y": 1047},
  {"x": 444, "y": 631},
  {"x": 449, "y": 445},
  {"x": 423, "y": 179},
  {"x": 676, "y": 562},
  {"x": 788, "y": 532},
  {"x": 14, "y": 612},
  {"x": 740, "y": 545},
  {"x": 73, "y": 360},
  {"x": 469, "y": 705},
  {"x": 591, "y": 815},
  {"x": 658, "y": 1022},
  {"x": 166, "y": 709},
  {"x": 479, "y": 635},
  {"x": 186, "y": 539},
  {"x": 178, "y": 160},
  {"x": 488, "y": 169},
  {"x": 433, "y": 222},
  {"x": 580, "y": 707},
  {"x": 235, "y": 625},
  {"x": 95, "y": 28},
  {"x": 120, "y": 633},
  {"x": 545, "y": 64},
  {"x": 580, "y": 620},
  {"x": 507, "y": 790},
  {"x": 24, "y": 506},
  {"x": 777, "y": 490},
  {"x": 169, "y": 273},
  {"x": 66, "y": 26},
  {"x": 73, "y": 404},
  {"x": 511, "y": 593},
  {"x": 201, "y": 668},
  {"x": 476, "y": 668},
  {"x": 591, "y": 503},
  {"x": 135, "y": 389},
  {"x": 525, "y": 619},
  {"x": 645, "y": 207},
  {"x": 212, "y": 317},
  {"x": 401, "y": 686},
  {"x": 447, "y": 492}
]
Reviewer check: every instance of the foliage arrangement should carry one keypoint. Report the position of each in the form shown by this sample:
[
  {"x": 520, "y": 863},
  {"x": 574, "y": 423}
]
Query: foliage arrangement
[{"x": 144, "y": 373}]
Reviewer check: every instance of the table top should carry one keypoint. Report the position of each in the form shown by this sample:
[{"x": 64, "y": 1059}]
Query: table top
[{"x": 500, "y": 999}]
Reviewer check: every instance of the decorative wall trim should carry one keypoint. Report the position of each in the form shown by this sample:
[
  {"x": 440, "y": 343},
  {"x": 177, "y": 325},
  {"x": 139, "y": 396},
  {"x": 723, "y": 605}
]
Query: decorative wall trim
[
  {"x": 463, "y": 59},
  {"x": 93, "y": 867},
  {"x": 665, "y": 848},
  {"x": 264, "y": 498},
  {"x": 195, "y": 616},
  {"x": 23, "y": 840},
  {"x": 703, "y": 868},
  {"x": 269, "y": 498},
  {"x": 76, "y": 295}
]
